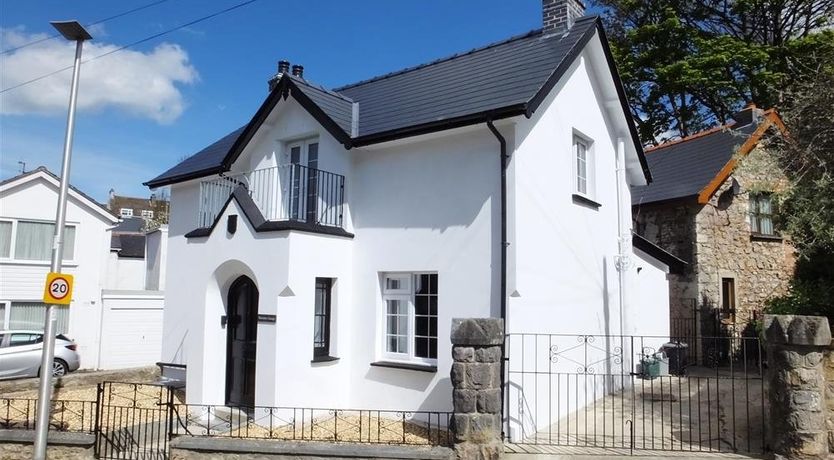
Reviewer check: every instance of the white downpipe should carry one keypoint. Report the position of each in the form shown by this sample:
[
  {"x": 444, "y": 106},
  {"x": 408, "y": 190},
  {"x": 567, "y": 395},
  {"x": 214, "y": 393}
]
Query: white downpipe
[{"x": 623, "y": 261}]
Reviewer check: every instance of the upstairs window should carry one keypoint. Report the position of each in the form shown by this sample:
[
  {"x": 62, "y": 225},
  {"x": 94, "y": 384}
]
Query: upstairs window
[
  {"x": 583, "y": 166},
  {"x": 29, "y": 240},
  {"x": 761, "y": 214},
  {"x": 410, "y": 316},
  {"x": 126, "y": 212},
  {"x": 147, "y": 214},
  {"x": 5, "y": 239}
]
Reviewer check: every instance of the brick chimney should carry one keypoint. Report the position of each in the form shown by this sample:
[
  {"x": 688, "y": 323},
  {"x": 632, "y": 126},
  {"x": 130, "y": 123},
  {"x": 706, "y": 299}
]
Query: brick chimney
[{"x": 559, "y": 15}]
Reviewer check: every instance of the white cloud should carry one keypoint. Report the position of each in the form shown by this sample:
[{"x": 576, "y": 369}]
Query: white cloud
[{"x": 142, "y": 84}]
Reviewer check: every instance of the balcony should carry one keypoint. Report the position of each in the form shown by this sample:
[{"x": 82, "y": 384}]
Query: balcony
[{"x": 289, "y": 193}]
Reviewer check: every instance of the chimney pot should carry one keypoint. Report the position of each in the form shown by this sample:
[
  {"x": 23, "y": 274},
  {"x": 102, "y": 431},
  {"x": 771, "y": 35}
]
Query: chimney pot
[
  {"x": 558, "y": 16},
  {"x": 298, "y": 71},
  {"x": 283, "y": 66}
]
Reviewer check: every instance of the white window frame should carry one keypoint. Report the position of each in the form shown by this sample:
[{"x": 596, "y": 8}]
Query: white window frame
[
  {"x": 147, "y": 214},
  {"x": 405, "y": 293},
  {"x": 13, "y": 243},
  {"x": 756, "y": 214},
  {"x": 590, "y": 165},
  {"x": 6, "y": 313},
  {"x": 126, "y": 212},
  {"x": 12, "y": 235}
]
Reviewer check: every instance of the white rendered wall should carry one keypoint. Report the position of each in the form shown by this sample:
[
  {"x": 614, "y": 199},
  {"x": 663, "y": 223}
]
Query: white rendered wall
[
  {"x": 402, "y": 228},
  {"x": 650, "y": 296},
  {"x": 125, "y": 272},
  {"x": 24, "y": 280},
  {"x": 430, "y": 205},
  {"x": 563, "y": 278},
  {"x": 156, "y": 254}
]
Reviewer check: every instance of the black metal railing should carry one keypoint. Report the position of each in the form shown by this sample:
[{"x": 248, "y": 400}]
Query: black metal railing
[
  {"x": 310, "y": 424},
  {"x": 635, "y": 392},
  {"x": 316, "y": 196},
  {"x": 74, "y": 416},
  {"x": 133, "y": 420},
  {"x": 283, "y": 193}
]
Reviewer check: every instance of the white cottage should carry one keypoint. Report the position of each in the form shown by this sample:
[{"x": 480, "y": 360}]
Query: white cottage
[{"x": 319, "y": 253}]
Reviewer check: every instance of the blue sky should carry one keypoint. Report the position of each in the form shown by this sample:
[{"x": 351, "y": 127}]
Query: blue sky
[{"x": 201, "y": 82}]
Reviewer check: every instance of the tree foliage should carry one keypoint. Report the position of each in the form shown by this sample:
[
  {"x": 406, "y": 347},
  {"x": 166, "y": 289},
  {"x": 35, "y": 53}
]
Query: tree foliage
[
  {"x": 807, "y": 207},
  {"x": 688, "y": 65}
]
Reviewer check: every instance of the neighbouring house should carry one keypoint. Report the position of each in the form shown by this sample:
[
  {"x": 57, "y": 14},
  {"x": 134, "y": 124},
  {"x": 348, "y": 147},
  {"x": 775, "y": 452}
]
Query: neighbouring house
[
  {"x": 712, "y": 205},
  {"x": 137, "y": 256},
  {"x": 319, "y": 253},
  {"x": 155, "y": 208},
  {"x": 126, "y": 262},
  {"x": 114, "y": 319}
]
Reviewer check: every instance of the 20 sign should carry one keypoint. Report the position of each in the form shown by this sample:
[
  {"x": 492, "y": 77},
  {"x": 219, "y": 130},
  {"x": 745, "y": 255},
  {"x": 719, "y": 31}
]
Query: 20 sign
[{"x": 58, "y": 289}]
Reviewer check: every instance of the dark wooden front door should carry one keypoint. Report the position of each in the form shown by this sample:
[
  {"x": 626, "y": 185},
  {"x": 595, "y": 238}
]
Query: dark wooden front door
[{"x": 241, "y": 336}]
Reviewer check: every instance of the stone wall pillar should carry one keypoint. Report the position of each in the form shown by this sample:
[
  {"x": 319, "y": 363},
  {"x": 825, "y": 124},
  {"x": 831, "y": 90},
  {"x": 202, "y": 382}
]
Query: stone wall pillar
[
  {"x": 477, "y": 351},
  {"x": 796, "y": 346}
]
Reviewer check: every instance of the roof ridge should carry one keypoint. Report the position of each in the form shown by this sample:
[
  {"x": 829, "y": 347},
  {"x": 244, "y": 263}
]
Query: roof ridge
[
  {"x": 528, "y": 34},
  {"x": 321, "y": 88},
  {"x": 697, "y": 135}
]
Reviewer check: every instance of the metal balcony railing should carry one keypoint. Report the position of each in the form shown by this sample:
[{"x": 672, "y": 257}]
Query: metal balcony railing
[{"x": 282, "y": 193}]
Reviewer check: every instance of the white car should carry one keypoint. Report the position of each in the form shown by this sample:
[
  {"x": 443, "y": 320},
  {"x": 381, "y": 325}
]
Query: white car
[{"x": 20, "y": 354}]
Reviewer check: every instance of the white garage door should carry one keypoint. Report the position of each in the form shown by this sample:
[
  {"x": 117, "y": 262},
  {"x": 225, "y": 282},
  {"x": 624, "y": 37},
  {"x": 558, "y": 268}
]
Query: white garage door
[{"x": 131, "y": 333}]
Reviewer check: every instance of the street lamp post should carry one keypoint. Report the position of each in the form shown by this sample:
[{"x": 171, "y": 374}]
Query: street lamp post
[{"x": 71, "y": 30}]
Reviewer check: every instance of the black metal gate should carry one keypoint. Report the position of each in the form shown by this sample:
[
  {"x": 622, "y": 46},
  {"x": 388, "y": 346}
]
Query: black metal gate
[
  {"x": 133, "y": 421},
  {"x": 634, "y": 392}
]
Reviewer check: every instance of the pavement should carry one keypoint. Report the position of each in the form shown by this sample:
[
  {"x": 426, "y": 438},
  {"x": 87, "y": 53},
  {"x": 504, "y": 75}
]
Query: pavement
[{"x": 515, "y": 452}]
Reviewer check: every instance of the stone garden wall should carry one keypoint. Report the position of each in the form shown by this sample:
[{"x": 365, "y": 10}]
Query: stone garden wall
[
  {"x": 477, "y": 351},
  {"x": 799, "y": 355}
]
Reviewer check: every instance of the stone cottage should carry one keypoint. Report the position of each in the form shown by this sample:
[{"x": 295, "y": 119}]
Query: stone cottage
[{"x": 712, "y": 205}]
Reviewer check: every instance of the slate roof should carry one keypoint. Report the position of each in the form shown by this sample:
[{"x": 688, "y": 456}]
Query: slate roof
[
  {"x": 676, "y": 265},
  {"x": 43, "y": 169},
  {"x": 129, "y": 225},
  {"x": 335, "y": 105},
  {"x": 128, "y": 245},
  {"x": 500, "y": 80},
  {"x": 503, "y": 74},
  {"x": 681, "y": 169}
]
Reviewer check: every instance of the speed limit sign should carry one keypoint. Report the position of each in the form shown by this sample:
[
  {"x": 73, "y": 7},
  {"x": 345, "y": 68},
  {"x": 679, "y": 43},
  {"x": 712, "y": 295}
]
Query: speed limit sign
[{"x": 58, "y": 289}]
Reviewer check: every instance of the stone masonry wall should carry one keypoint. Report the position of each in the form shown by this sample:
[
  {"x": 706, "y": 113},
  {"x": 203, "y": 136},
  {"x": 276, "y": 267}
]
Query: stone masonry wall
[
  {"x": 672, "y": 227},
  {"x": 828, "y": 369},
  {"x": 716, "y": 240},
  {"x": 796, "y": 346},
  {"x": 476, "y": 380},
  {"x": 726, "y": 248}
]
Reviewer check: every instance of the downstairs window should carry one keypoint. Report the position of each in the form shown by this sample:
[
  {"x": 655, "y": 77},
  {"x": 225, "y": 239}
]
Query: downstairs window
[{"x": 410, "y": 301}]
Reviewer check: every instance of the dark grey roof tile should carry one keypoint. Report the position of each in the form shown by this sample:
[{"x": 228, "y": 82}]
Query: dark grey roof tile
[
  {"x": 496, "y": 77},
  {"x": 682, "y": 169}
]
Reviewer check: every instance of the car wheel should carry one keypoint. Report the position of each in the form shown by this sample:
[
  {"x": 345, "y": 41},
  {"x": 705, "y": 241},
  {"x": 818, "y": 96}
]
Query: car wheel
[{"x": 59, "y": 368}]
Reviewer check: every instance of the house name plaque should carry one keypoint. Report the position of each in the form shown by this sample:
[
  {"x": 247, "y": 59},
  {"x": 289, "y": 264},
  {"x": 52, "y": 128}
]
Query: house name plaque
[{"x": 269, "y": 319}]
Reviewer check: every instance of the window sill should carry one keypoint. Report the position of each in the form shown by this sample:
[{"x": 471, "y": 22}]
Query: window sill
[
  {"x": 583, "y": 200},
  {"x": 43, "y": 263},
  {"x": 406, "y": 366},
  {"x": 324, "y": 359},
  {"x": 764, "y": 237}
]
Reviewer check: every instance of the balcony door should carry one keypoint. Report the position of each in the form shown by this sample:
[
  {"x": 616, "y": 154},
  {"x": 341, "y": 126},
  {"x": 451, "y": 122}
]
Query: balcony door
[{"x": 304, "y": 162}]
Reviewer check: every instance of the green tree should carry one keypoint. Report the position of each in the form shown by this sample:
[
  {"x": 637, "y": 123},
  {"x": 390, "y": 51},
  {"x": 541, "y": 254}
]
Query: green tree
[
  {"x": 807, "y": 207},
  {"x": 689, "y": 65}
]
